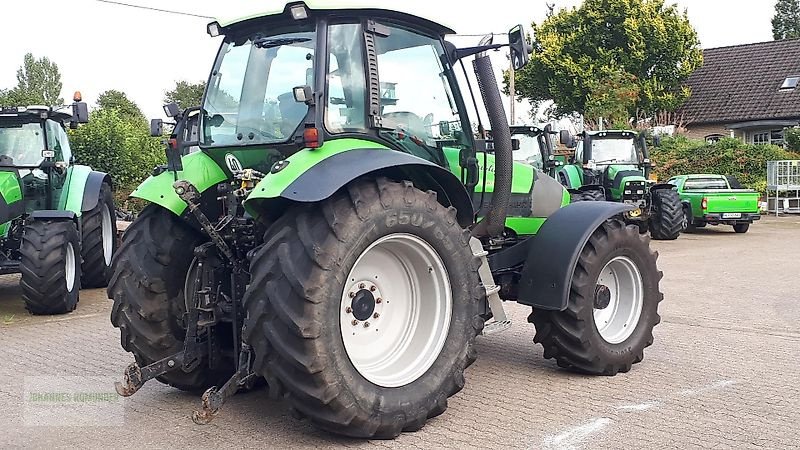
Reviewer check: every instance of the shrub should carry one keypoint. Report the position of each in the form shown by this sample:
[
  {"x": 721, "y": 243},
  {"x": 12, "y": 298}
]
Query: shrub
[{"x": 748, "y": 163}]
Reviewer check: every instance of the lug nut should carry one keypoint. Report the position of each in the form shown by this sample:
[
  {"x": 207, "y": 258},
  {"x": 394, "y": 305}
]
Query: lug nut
[
  {"x": 354, "y": 322},
  {"x": 378, "y": 300},
  {"x": 366, "y": 324},
  {"x": 348, "y": 310},
  {"x": 361, "y": 285},
  {"x": 352, "y": 294},
  {"x": 372, "y": 288},
  {"x": 375, "y": 316}
]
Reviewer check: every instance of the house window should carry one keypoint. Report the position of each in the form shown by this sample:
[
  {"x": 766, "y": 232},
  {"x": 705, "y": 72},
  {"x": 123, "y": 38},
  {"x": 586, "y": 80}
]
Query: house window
[
  {"x": 774, "y": 137},
  {"x": 761, "y": 138},
  {"x": 713, "y": 138}
]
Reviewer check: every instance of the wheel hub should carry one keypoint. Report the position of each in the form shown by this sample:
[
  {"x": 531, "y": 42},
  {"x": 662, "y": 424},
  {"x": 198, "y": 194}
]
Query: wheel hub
[
  {"x": 363, "y": 305},
  {"x": 602, "y": 296}
]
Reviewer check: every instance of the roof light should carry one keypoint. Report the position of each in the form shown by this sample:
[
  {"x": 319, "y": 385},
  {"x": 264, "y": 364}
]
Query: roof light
[
  {"x": 299, "y": 12},
  {"x": 213, "y": 29},
  {"x": 790, "y": 83}
]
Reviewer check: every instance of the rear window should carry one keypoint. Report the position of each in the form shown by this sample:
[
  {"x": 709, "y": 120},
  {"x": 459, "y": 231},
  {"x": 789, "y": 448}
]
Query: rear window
[{"x": 704, "y": 184}]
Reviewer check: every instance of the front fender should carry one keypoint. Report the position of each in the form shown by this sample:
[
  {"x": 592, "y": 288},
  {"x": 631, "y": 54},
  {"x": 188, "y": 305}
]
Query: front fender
[
  {"x": 658, "y": 186},
  {"x": 315, "y": 176},
  {"x": 198, "y": 169},
  {"x": 553, "y": 253},
  {"x": 572, "y": 176}
]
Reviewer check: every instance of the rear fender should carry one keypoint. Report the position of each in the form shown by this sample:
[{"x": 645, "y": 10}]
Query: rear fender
[
  {"x": 658, "y": 186},
  {"x": 314, "y": 180},
  {"x": 554, "y": 251}
]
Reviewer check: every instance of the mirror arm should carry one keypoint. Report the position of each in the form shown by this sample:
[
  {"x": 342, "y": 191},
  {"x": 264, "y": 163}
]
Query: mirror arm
[{"x": 469, "y": 51}]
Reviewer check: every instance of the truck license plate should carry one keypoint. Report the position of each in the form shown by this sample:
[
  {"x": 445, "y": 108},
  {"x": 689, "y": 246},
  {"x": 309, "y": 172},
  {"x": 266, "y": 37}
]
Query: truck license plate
[{"x": 732, "y": 215}]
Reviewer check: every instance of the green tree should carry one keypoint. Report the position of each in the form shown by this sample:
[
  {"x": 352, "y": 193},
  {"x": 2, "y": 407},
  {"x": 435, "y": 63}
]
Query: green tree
[
  {"x": 643, "y": 47},
  {"x": 186, "y": 94},
  {"x": 117, "y": 100},
  {"x": 38, "y": 82},
  {"x": 118, "y": 146},
  {"x": 786, "y": 21}
]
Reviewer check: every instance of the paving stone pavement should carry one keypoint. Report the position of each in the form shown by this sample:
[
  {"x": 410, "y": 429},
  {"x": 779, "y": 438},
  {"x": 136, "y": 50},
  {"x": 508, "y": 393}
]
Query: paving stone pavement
[{"x": 721, "y": 374}]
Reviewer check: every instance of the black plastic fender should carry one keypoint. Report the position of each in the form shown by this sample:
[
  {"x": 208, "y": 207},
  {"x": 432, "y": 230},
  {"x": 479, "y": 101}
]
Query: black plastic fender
[
  {"x": 553, "y": 252},
  {"x": 329, "y": 175},
  {"x": 91, "y": 190},
  {"x": 658, "y": 186}
]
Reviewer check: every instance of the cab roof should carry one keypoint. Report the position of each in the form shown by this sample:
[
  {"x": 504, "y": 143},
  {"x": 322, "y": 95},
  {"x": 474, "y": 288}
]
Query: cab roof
[
  {"x": 33, "y": 112},
  {"x": 359, "y": 7}
]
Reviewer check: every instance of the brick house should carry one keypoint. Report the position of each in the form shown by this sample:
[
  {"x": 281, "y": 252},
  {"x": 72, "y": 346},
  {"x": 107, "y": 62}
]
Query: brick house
[{"x": 749, "y": 91}]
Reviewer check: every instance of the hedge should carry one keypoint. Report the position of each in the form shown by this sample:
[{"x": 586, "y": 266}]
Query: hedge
[{"x": 748, "y": 163}]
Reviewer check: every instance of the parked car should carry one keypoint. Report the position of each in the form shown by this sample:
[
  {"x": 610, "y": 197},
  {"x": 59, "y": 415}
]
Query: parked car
[{"x": 716, "y": 200}]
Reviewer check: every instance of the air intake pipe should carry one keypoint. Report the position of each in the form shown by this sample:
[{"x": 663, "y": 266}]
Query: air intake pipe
[{"x": 493, "y": 223}]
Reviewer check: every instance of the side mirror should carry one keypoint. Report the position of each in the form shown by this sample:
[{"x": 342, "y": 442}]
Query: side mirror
[
  {"x": 521, "y": 49},
  {"x": 303, "y": 94},
  {"x": 172, "y": 110},
  {"x": 515, "y": 144},
  {"x": 80, "y": 113},
  {"x": 566, "y": 139},
  {"x": 444, "y": 128},
  {"x": 156, "y": 127},
  {"x": 657, "y": 140}
]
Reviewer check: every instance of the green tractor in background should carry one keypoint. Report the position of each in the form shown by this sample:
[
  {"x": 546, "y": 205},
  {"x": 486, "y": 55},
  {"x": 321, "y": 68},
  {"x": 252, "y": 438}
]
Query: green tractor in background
[
  {"x": 337, "y": 230},
  {"x": 57, "y": 219},
  {"x": 614, "y": 166}
]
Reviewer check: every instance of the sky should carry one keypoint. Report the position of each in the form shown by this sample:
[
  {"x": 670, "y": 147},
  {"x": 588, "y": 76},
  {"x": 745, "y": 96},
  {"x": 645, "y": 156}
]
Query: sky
[{"x": 100, "y": 46}]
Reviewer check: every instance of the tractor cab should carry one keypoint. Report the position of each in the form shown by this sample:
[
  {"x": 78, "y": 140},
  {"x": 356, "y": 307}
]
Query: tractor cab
[
  {"x": 536, "y": 148},
  {"x": 34, "y": 146}
]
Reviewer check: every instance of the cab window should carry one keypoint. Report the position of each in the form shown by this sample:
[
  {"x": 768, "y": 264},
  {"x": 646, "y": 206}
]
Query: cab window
[
  {"x": 416, "y": 101},
  {"x": 57, "y": 140}
]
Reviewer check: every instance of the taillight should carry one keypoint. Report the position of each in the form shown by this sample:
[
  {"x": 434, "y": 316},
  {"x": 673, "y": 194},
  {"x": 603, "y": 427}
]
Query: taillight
[
  {"x": 704, "y": 203},
  {"x": 311, "y": 137}
]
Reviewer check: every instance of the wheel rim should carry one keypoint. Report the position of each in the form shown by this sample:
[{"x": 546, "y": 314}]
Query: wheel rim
[
  {"x": 395, "y": 310},
  {"x": 108, "y": 235},
  {"x": 69, "y": 267},
  {"x": 616, "y": 319}
]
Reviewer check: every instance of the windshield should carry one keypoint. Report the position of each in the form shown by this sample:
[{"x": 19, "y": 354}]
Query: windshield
[
  {"x": 529, "y": 151},
  {"x": 699, "y": 184},
  {"x": 607, "y": 151},
  {"x": 22, "y": 142},
  {"x": 249, "y": 99}
]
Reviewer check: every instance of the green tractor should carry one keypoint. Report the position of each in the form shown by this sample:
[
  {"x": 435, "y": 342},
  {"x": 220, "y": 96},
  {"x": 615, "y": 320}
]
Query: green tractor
[
  {"x": 534, "y": 146},
  {"x": 614, "y": 166},
  {"x": 342, "y": 234},
  {"x": 57, "y": 219}
]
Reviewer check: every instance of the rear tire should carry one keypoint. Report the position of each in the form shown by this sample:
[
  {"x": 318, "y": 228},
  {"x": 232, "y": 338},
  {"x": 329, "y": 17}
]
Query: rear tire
[
  {"x": 573, "y": 337},
  {"x": 99, "y": 230},
  {"x": 666, "y": 221},
  {"x": 299, "y": 320},
  {"x": 688, "y": 220},
  {"x": 50, "y": 266},
  {"x": 147, "y": 287},
  {"x": 741, "y": 227}
]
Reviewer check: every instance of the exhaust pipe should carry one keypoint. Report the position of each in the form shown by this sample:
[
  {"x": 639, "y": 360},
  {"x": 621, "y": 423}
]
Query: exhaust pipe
[{"x": 494, "y": 222}]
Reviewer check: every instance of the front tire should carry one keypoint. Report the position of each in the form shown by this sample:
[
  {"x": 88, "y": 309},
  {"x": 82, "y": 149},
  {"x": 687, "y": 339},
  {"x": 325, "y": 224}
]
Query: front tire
[
  {"x": 666, "y": 220},
  {"x": 347, "y": 376},
  {"x": 150, "y": 272},
  {"x": 99, "y": 230},
  {"x": 592, "y": 195},
  {"x": 613, "y": 305},
  {"x": 50, "y": 266}
]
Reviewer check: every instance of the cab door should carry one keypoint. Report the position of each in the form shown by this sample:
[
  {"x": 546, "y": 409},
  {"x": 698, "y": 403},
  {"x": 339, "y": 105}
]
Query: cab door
[{"x": 58, "y": 143}]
